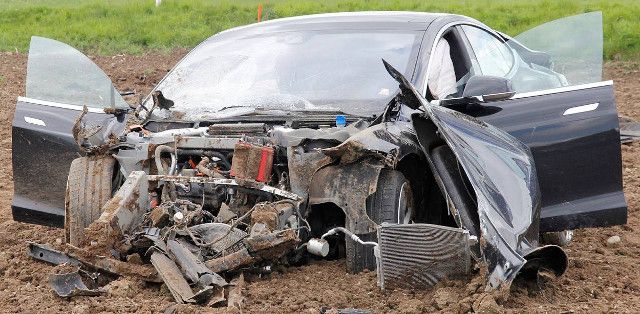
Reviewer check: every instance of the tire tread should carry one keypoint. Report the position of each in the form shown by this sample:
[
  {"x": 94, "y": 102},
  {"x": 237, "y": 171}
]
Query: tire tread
[{"x": 88, "y": 189}]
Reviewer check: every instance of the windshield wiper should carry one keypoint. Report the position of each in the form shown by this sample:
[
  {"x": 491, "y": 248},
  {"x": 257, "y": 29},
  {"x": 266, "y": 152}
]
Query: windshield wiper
[
  {"x": 233, "y": 107},
  {"x": 333, "y": 112}
]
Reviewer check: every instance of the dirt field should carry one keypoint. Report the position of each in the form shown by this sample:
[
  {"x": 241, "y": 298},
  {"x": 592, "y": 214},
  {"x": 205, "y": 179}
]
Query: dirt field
[{"x": 601, "y": 278}]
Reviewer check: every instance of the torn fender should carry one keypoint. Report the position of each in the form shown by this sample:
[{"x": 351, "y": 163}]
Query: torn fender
[
  {"x": 503, "y": 176},
  {"x": 354, "y": 177}
]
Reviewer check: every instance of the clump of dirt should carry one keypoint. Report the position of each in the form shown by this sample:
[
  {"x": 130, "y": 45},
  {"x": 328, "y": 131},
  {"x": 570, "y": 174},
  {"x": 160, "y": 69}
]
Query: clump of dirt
[
  {"x": 123, "y": 287},
  {"x": 601, "y": 277}
]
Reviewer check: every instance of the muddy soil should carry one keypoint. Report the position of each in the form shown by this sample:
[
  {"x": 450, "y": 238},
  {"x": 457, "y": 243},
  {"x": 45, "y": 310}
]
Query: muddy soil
[{"x": 601, "y": 277}]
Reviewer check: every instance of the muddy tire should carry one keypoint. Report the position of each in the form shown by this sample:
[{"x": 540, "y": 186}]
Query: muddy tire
[
  {"x": 392, "y": 202},
  {"x": 89, "y": 187}
]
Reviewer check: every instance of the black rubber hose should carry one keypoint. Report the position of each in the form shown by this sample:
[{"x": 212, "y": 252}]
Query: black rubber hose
[{"x": 221, "y": 156}]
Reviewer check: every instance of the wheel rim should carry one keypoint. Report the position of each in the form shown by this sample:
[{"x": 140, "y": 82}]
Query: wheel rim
[{"x": 405, "y": 208}]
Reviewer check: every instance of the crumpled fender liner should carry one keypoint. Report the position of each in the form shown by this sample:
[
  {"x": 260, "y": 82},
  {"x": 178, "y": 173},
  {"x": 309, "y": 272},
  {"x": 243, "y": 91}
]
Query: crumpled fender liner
[
  {"x": 348, "y": 186},
  {"x": 549, "y": 257}
]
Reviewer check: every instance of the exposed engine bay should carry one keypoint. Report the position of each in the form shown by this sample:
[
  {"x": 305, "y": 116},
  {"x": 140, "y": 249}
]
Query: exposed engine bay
[{"x": 229, "y": 168}]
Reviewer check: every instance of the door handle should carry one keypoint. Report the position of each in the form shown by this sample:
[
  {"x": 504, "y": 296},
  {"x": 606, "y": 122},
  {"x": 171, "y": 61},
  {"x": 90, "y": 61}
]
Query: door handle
[
  {"x": 34, "y": 121},
  {"x": 580, "y": 109}
]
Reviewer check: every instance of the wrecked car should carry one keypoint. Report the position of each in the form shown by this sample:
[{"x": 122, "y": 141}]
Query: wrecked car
[{"x": 411, "y": 143}]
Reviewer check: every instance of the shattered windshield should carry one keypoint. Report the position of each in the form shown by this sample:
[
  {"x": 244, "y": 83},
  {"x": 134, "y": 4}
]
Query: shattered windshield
[{"x": 290, "y": 71}]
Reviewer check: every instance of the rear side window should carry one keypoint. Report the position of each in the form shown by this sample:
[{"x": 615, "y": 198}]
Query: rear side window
[{"x": 493, "y": 56}]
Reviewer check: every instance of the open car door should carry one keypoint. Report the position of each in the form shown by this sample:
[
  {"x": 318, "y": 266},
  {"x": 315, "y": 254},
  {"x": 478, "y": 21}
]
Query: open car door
[
  {"x": 573, "y": 130},
  {"x": 60, "y": 82},
  {"x": 562, "y": 110}
]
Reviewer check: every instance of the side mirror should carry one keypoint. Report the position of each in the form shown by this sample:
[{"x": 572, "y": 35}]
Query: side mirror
[{"x": 488, "y": 88}]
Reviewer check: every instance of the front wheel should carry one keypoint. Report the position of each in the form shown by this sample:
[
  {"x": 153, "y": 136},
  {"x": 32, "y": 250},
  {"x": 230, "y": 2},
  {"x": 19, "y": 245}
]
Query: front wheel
[
  {"x": 89, "y": 187},
  {"x": 393, "y": 203}
]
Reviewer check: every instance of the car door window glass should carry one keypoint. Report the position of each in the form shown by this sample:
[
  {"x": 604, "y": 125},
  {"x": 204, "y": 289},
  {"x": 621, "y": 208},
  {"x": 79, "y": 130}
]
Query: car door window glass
[
  {"x": 570, "y": 46},
  {"x": 57, "y": 72},
  {"x": 492, "y": 55}
]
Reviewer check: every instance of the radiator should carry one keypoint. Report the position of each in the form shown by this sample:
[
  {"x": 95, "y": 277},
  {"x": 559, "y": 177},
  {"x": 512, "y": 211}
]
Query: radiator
[{"x": 420, "y": 255}]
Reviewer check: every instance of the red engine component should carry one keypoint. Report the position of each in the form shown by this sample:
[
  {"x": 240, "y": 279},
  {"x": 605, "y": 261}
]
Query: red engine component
[{"x": 252, "y": 161}]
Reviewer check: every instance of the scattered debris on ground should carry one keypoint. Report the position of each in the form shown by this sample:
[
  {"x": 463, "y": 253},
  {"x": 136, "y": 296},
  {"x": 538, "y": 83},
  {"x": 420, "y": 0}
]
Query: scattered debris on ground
[
  {"x": 186, "y": 255},
  {"x": 629, "y": 130}
]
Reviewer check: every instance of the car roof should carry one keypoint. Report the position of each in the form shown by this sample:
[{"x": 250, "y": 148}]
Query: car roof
[{"x": 379, "y": 20}]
